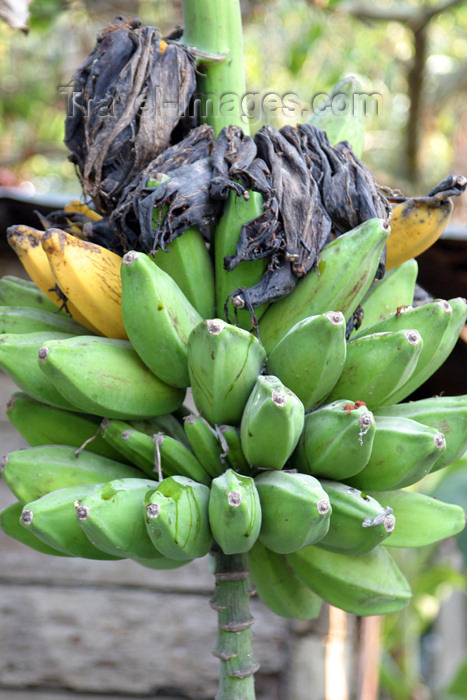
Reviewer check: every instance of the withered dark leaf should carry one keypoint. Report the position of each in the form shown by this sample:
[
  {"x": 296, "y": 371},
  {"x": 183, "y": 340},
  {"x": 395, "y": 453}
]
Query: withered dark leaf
[
  {"x": 128, "y": 98},
  {"x": 184, "y": 196}
]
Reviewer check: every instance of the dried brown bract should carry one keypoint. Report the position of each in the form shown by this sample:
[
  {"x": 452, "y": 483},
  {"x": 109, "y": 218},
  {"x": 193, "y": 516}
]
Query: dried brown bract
[{"x": 129, "y": 97}]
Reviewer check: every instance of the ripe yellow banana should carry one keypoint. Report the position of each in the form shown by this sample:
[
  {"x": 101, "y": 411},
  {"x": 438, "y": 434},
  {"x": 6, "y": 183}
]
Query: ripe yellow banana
[
  {"x": 26, "y": 242},
  {"x": 415, "y": 225},
  {"x": 89, "y": 275},
  {"x": 79, "y": 208}
]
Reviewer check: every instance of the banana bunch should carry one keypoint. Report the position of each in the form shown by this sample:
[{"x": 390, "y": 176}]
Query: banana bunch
[{"x": 297, "y": 450}]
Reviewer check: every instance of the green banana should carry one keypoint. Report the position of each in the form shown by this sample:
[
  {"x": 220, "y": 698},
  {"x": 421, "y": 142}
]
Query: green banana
[
  {"x": 224, "y": 362},
  {"x": 18, "y": 359},
  {"x": 336, "y": 441},
  {"x": 158, "y": 318},
  {"x": 421, "y": 520},
  {"x": 135, "y": 446},
  {"x": 177, "y": 518},
  {"x": 177, "y": 459},
  {"x": 234, "y": 512},
  {"x": 448, "y": 414},
  {"x": 345, "y": 271},
  {"x": 272, "y": 423},
  {"x": 154, "y": 454},
  {"x": 161, "y": 562},
  {"x": 339, "y": 117},
  {"x": 105, "y": 377},
  {"x": 367, "y": 584},
  {"x": 112, "y": 518},
  {"x": 45, "y": 425},
  {"x": 233, "y": 448},
  {"x": 376, "y": 365},
  {"x": 310, "y": 357},
  {"x": 403, "y": 452},
  {"x": 25, "y": 319},
  {"x": 358, "y": 522},
  {"x": 167, "y": 424},
  {"x": 385, "y": 296},
  {"x": 431, "y": 321},
  {"x": 279, "y": 588},
  {"x": 187, "y": 261},
  {"x": 237, "y": 212},
  {"x": 53, "y": 520},
  {"x": 295, "y": 510},
  {"x": 205, "y": 444},
  {"x": 441, "y": 345},
  {"x": 16, "y": 291},
  {"x": 32, "y": 472},
  {"x": 10, "y": 524}
]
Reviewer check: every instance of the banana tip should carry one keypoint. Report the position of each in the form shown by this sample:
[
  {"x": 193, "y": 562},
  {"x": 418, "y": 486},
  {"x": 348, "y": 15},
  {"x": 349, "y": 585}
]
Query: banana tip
[
  {"x": 153, "y": 510},
  {"x": 82, "y": 512},
  {"x": 27, "y": 516},
  {"x": 130, "y": 257},
  {"x": 43, "y": 353}
]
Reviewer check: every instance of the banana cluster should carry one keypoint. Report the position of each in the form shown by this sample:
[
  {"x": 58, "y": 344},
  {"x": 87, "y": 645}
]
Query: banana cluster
[{"x": 298, "y": 451}]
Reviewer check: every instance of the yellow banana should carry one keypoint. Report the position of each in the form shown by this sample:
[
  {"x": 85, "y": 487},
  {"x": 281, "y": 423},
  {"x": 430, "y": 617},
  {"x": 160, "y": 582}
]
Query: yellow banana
[
  {"x": 26, "y": 242},
  {"x": 89, "y": 275},
  {"x": 415, "y": 225},
  {"x": 79, "y": 208}
]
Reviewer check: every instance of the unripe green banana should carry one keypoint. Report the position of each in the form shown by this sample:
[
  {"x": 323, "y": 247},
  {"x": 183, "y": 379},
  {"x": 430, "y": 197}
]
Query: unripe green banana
[
  {"x": 106, "y": 377},
  {"x": 441, "y": 345},
  {"x": 177, "y": 459},
  {"x": 205, "y": 444},
  {"x": 224, "y": 362},
  {"x": 310, "y": 357},
  {"x": 345, "y": 271},
  {"x": 154, "y": 454},
  {"x": 158, "y": 318},
  {"x": 448, "y": 414},
  {"x": 167, "y": 424},
  {"x": 16, "y": 291},
  {"x": 161, "y": 562},
  {"x": 368, "y": 584},
  {"x": 340, "y": 119},
  {"x": 431, "y": 321},
  {"x": 376, "y": 365},
  {"x": 421, "y": 520},
  {"x": 295, "y": 510},
  {"x": 234, "y": 512},
  {"x": 40, "y": 424},
  {"x": 10, "y": 524},
  {"x": 32, "y": 472},
  {"x": 135, "y": 447},
  {"x": 112, "y": 517},
  {"x": 18, "y": 359},
  {"x": 385, "y": 296},
  {"x": 279, "y": 588},
  {"x": 237, "y": 212},
  {"x": 336, "y": 441},
  {"x": 233, "y": 449},
  {"x": 177, "y": 518},
  {"x": 359, "y": 523},
  {"x": 25, "y": 319},
  {"x": 404, "y": 451},
  {"x": 187, "y": 261},
  {"x": 272, "y": 423},
  {"x": 53, "y": 520}
]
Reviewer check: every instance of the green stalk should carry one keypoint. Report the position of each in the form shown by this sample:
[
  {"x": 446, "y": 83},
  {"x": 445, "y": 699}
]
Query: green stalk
[
  {"x": 214, "y": 28},
  {"x": 234, "y": 645}
]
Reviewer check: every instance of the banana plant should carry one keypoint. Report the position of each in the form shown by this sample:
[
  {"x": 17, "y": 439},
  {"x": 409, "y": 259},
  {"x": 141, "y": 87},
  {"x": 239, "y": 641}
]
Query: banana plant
[{"x": 297, "y": 413}]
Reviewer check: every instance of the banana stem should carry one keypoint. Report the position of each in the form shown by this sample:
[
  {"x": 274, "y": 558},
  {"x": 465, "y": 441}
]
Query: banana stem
[
  {"x": 234, "y": 641},
  {"x": 214, "y": 28}
]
